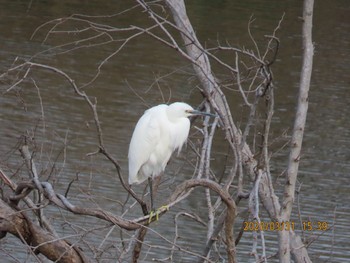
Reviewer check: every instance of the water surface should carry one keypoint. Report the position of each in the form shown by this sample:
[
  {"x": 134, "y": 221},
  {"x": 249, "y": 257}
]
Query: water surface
[{"x": 145, "y": 67}]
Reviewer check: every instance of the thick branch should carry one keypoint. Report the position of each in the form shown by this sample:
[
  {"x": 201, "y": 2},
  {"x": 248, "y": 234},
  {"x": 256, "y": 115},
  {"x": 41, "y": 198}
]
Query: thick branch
[
  {"x": 62, "y": 202},
  {"x": 298, "y": 130},
  {"x": 41, "y": 241},
  {"x": 226, "y": 198}
]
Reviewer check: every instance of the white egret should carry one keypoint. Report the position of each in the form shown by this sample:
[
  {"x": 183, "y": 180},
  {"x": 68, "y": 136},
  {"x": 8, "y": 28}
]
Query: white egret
[{"x": 160, "y": 131}]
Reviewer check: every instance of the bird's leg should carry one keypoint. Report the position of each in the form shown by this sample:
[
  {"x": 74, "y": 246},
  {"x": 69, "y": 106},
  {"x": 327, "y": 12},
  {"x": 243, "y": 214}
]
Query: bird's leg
[
  {"x": 153, "y": 186},
  {"x": 152, "y": 212},
  {"x": 151, "y": 192}
]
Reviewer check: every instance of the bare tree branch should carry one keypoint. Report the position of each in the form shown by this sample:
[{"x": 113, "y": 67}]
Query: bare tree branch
[
  {"x": 40, "y": 241},
  {"x": 226, "y": 198},
  {"x": 249, "y": 76},
  {"x": 298, "y": 132}
]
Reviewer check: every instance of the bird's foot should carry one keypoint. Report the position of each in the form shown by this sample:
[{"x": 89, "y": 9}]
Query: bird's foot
[
  {"x": 164, "y": 207},
  {"x": 151, "y": 215},
  {"x": 156, "y": 212}
]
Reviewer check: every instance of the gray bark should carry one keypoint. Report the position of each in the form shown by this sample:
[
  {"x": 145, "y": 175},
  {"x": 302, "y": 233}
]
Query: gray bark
[{"x": 298, "y": 132}]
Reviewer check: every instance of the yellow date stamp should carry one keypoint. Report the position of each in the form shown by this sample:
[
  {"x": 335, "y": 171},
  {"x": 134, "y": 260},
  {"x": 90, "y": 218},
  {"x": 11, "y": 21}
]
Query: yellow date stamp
[
  {"x": 268, "y": 226},
  {"x": 315, "y": 226},
  {"x": 285, "y": 226}
]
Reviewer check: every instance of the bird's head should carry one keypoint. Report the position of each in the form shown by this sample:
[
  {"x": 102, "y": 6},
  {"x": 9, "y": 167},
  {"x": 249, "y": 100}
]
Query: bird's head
[{"x": 181, "y": 110}]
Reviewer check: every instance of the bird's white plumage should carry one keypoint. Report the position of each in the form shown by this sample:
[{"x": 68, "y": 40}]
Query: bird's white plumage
[{"x": 160, "y": 131}]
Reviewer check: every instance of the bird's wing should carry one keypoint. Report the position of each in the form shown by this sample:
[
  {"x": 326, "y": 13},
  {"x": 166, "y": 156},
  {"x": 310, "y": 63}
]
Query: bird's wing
[{"x": 143, "y": 142}]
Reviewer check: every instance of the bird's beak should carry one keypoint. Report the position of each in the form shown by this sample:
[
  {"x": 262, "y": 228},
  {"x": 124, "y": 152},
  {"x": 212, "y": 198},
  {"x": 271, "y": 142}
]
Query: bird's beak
[{"x": 196, "y": 112}]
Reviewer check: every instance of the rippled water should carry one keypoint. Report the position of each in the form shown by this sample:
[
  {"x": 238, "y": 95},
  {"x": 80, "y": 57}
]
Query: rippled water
[{"x": 68, "y": 128}]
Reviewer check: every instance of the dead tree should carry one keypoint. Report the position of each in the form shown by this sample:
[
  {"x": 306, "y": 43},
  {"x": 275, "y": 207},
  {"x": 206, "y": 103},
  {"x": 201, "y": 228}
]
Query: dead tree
[{"x": 249, "y": 177}]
